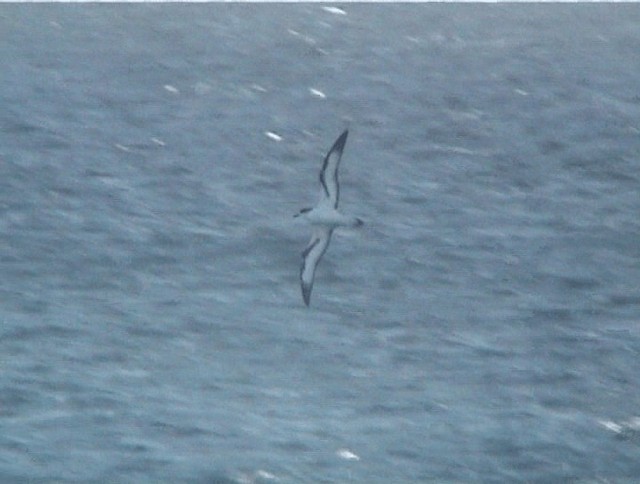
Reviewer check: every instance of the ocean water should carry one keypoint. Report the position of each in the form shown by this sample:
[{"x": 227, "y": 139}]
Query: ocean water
[{"x": 484, "y": 324}]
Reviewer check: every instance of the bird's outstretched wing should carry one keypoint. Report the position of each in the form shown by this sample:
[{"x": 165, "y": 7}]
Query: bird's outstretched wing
[
  {"x": 310, "y": 258},
  {"x": 330, "y": 189}
]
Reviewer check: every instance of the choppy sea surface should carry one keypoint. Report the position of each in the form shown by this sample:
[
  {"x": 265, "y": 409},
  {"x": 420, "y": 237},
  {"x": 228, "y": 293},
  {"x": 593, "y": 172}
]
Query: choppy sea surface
[{"x": 484, "y": 325}]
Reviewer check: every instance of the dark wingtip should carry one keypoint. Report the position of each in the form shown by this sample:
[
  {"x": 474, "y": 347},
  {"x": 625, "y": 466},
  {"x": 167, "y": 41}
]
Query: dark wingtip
[
  {"x": 341, "y": 141},
  {"x": 306, "y": 295},
  {"x": 359, "y": 222}
]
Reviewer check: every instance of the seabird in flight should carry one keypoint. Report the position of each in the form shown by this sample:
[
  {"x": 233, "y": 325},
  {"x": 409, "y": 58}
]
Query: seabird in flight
[{"x": 324, "y": 217}]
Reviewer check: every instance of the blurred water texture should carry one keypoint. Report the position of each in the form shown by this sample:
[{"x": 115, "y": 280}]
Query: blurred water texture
[{"x": 483, "y": 326}]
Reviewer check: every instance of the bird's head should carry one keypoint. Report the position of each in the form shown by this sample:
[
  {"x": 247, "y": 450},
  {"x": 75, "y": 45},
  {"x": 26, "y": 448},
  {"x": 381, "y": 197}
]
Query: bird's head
[{"x": 304, "y": 210}]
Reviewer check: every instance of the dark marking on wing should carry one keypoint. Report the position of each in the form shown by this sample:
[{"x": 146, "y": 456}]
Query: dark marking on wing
[
  {"x": 309, "y": 248},
  {"x": 306, "y": 293},
  {"x": 306, "y": 288},
  {"x": 336, "y": 150},
  {"x": 324, "y": 185}
]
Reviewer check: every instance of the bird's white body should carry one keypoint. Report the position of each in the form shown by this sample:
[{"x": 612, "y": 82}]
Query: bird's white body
[{"x": 324, "y": 217}]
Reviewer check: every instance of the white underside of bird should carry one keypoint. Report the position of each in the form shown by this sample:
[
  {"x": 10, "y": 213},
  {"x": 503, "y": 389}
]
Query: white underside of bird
[
  {"x": 325, "y": 215},
  {"x": 324, "y": 218}
]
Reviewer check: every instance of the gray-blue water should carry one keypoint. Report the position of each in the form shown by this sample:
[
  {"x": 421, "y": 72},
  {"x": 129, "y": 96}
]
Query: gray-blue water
[{"x": 484, "y": 325}]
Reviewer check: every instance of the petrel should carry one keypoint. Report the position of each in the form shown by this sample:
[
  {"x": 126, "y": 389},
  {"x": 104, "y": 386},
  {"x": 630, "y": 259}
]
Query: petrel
[{"x": 324, "y": 217}]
